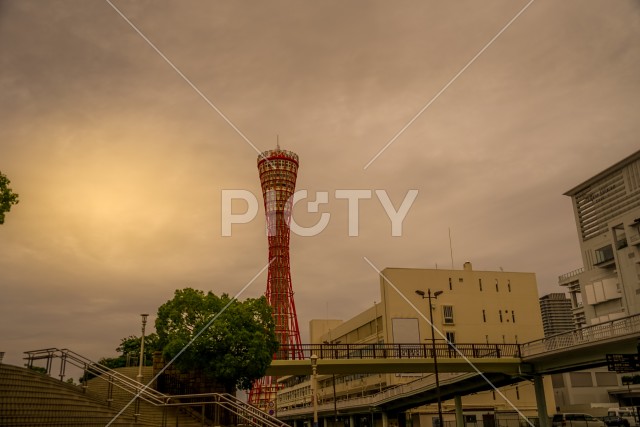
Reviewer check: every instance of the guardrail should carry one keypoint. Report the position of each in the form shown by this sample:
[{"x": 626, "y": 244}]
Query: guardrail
[
  {"x": 570, "y": 274},
  {"x": 401, "y": 351},
  {"x": 243, "y": 410},
  {"x": 589, "y": 334}
]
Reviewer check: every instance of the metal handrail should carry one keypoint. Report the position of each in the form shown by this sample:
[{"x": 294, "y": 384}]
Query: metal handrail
[
  {"x": 402, "y": 351},
  {"x": 588, "y": 334},
  {"x": 249, "y": 413},
  {"x": 114, "y": 377}
]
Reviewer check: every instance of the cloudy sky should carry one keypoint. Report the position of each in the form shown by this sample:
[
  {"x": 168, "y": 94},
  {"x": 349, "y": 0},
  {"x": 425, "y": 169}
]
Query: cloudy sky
[{"x": 120, "y": 162}]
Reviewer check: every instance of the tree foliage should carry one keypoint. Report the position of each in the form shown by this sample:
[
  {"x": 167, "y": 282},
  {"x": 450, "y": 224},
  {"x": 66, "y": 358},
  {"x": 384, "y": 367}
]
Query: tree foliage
[
  {"x": 235, "y": 349},
  {"x": 129, "y": 348},
  {"x": 7, "y": 197}
]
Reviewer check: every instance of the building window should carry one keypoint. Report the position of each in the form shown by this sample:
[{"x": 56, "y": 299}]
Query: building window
[
  {"x": 513, "y": 316},
  {"x": 450, "y": 284},
  {"x": 447, "y": 314},
  {"x": 500, "y": 313},
  {"x": 581, "y": 379},
  {"x": 496, "y": 285},
  {"x": 517, "y": 393},
  {"x": 606, "y": 379},
  {"x": 484, "y": 316},
  {"x": 509, "y": 285},
  {"x": 480, "y": 284},
  {"x": 604, "y": 254},
  {"x": 451, "y": 337}
]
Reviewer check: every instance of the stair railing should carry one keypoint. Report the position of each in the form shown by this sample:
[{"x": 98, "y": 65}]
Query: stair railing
[{"x": 243, "y": 410}]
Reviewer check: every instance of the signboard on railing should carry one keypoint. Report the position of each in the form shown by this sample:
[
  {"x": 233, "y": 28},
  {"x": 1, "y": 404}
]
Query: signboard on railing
[{"x": 623, "y": 362}]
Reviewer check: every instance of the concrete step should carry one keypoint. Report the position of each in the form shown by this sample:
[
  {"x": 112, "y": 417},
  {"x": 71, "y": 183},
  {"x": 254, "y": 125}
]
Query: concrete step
[{"x": 29, "y": 398}]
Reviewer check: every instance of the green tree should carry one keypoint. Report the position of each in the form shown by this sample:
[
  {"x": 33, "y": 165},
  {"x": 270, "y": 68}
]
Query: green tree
[
  {"x": 38, "y": 369},
  {"x": 7, "y": 197},
  {"x": 235, "y": 349},
  {"x": 129, "y": 348}
]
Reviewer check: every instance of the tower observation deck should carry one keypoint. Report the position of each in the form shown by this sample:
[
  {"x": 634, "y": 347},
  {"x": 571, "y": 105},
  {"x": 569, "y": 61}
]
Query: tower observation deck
[{"x": 278, "y": 172}]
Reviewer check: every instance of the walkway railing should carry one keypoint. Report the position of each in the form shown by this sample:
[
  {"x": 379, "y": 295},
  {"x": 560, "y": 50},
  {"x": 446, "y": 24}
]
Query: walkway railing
[
  {"x": 589, "y": 334},
  {"x": 403, "y": 351}
]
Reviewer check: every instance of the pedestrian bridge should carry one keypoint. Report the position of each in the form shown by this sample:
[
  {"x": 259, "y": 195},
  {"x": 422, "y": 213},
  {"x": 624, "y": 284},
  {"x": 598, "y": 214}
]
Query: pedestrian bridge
[
  {"x": 579, "y": 349},
  {"x": 463, "y": 368}
]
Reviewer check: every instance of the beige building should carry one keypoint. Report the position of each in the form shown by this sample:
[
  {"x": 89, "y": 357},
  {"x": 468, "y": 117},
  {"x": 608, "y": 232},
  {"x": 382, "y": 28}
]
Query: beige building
[{"x": 474, "y": 307}]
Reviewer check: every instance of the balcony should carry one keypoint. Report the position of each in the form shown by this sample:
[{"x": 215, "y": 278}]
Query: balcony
[
  {"x": 604, "y": 257},
  {"x": 570, "y": 276}
]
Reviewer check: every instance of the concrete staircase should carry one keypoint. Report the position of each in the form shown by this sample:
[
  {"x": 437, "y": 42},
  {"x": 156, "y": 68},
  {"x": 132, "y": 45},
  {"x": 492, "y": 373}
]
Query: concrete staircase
[
  {"x": 29, "y": 398},
  {"x": 146, "y": 413}
]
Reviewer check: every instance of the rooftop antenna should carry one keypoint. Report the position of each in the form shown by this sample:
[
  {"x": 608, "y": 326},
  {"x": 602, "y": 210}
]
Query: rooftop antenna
[
  {"x": 277, "y": 141},
  {"x": 450, "y": 248}
]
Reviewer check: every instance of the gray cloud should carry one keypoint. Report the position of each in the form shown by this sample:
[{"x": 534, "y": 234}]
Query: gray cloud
[{"x": 120, "y": 164}]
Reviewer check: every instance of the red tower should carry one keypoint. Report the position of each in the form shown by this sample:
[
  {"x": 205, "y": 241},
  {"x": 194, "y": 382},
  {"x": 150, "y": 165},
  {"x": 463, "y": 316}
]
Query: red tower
[{"x": 278, "y": 171}]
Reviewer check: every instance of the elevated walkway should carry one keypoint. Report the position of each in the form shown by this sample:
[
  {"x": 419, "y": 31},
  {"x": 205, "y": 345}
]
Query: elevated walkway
[{"x": 575, "y": 350}]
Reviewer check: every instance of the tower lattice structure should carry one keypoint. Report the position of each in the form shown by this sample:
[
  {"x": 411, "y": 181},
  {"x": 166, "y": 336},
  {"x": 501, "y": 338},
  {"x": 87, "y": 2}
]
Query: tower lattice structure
[{"x": 278, "y": 172}]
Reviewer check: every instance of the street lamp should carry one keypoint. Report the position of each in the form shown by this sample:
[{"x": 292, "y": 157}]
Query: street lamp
[
  {"x": 333, "y": 380},
  {"x": 144, "y": 324},
  {"x": 429, "y": 296},
  {"x": 314, "y": 385}
]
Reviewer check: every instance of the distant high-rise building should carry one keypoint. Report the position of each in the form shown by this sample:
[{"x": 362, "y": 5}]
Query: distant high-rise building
[
  {"x": 278, "y": 172},
  {"x": 556, "y": 314}
]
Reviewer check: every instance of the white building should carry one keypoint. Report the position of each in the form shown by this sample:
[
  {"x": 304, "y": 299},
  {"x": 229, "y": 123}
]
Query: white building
[
  {"x": 607, "y": 214},
  {"x": 607, "y": 287}
]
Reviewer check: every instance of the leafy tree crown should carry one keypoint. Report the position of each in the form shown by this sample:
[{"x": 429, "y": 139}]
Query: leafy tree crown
[
  {"x": 235, "y": 349},
  {"x": 7, "y": 196}
]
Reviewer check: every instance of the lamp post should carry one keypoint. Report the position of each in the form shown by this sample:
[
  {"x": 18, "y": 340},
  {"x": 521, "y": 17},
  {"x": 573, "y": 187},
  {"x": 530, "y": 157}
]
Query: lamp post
[
  {"x": 314, "y": 386},
  {"x": 333, "y": 380},
  {"x": 144, "y": 324},
  {"x": 429, "y": 296}
]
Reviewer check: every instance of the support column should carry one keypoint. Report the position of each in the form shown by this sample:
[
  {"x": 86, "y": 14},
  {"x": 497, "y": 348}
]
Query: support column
[
  {"x": 352, "y": 421},
  {"x": 295, "y": 423},
  {"x": 402, "y": 419},
  {"x": 459, "y": 413},
  {"x": 541, "y": 401},
  {"x": 325, "y": 422},
  {"x": 385, "y": 420}
]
